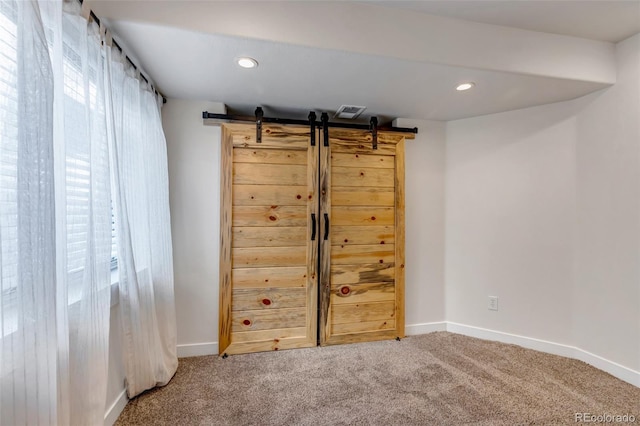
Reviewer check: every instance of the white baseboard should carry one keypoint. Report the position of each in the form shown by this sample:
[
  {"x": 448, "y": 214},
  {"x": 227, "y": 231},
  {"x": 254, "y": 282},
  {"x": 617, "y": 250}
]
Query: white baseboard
[
  {"x": 113, "y": 412},
  {"x": 615, "y": 369},
  {"x": 514, "y": 339},
  {"x": 424, "y": 328},
  {"x": 198, "y": 349}
]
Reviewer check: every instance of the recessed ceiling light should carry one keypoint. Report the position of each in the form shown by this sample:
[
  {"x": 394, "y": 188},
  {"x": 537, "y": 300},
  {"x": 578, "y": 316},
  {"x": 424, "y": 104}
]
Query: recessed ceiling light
[
  {"x": 465, "y": 86},
  {"x": 246, "y": 62}
]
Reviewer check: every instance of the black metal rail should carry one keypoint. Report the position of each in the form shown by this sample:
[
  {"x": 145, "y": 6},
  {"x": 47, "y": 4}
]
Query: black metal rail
[{"x": 278, "y": 120}]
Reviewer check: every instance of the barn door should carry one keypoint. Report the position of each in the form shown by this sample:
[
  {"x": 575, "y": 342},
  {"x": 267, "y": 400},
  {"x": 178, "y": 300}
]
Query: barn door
[
  {"x": 362, "y": 247},
  {"x": 268, "y": 258}
]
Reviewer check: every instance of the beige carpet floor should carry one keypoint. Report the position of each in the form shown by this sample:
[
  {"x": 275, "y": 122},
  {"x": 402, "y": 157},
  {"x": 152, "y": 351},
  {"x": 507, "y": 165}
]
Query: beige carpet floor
[{"x": 438, "y": 378}]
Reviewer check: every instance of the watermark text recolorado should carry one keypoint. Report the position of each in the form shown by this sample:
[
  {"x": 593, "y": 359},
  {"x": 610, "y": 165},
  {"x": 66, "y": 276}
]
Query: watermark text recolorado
[{"x": 604, "y": 418}]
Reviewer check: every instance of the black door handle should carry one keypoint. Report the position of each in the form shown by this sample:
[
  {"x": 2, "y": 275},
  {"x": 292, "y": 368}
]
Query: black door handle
[
  {"x": 313, "y": 227},
  {"x": 326, "y": 226}
]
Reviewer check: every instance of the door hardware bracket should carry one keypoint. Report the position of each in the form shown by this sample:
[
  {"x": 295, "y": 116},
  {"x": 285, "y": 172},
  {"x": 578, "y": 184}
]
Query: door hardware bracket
[
  {"x": 373, "y": 126},
  {"x": 325, "y": 126},
  {"x": 312, "y": 123},
  {"x": 259, "y": 115}
]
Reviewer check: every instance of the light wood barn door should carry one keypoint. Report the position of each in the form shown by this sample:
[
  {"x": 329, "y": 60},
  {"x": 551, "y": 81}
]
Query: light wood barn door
[
  {"x": 268, "y": 267},
  {"x": 362, "y": 258}
]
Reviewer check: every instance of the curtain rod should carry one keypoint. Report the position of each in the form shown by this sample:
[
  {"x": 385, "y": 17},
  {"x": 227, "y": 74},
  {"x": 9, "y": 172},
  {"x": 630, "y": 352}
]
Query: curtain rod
[{"x": 115, "y": 43}]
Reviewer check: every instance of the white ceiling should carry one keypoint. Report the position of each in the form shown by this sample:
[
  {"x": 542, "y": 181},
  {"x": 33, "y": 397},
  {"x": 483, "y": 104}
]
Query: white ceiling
[
  {"x": 606, "y": 20},
  {"x": 193, "y": 65},
  {"x": 188, "y": 47}
]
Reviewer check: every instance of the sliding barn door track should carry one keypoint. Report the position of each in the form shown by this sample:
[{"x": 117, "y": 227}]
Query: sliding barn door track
[{"x": 259, "y": 119}]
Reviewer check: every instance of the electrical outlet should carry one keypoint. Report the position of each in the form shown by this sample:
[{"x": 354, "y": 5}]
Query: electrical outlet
[{"x": 493, "y": 303}]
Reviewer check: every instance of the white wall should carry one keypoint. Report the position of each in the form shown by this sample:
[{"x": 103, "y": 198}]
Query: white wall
[
  {"x": 510, "y": 212},
  {"x": 424, "y": 222},
  {"x": 543, "y": 211},
  {"x": 193, "y": 152},
  {"x": 607, "y": 282}
]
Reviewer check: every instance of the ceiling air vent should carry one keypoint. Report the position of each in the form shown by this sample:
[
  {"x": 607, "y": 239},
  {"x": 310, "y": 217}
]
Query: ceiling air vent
[{"x": 349, "y": 112}]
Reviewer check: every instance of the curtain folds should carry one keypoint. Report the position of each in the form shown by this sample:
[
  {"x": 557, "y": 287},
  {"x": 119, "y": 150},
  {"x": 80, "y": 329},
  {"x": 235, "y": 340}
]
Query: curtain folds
[
  {"x": 145, "y": 262},
  {"x": 80, "y": 138},
  {"x": 28, "y": 343},
  {"x": 83, "y": 211}
]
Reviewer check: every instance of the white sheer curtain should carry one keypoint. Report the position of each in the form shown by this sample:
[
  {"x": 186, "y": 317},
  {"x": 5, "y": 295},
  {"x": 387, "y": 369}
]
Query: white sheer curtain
[
  {"x": 66, "y": 111},
  {"x": 28, "y": 345},
  {"x": 83, "y": 212},
  {"x": 56, "y": 243},
  {"x": 145, "y": 263}
]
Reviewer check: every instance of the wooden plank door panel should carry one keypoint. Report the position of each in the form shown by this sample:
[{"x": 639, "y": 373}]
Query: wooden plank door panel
[
  {"x": 362, "y": 196},
  {"x": 362, "y": 262},
  {"x": 273, "y": 290},
  {"x": 268, "y": 293}
]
